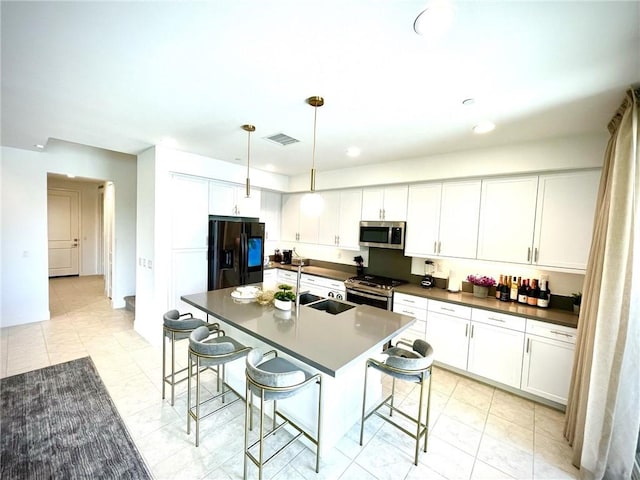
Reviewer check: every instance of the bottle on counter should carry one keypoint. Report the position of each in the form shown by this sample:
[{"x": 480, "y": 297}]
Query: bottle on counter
[
  {"x": 499, "y": 287},
  {"x": 505, "y": 290},
  {"x": 534, "y": 292},
  {"x": 545, "y": 295},
  {"x": 513, "y": 293},
  {"x": 522, "y": 291}
]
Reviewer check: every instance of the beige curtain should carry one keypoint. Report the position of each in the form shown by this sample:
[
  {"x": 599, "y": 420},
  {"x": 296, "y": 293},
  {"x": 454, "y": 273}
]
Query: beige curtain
[{"x": 603, "y": 413}]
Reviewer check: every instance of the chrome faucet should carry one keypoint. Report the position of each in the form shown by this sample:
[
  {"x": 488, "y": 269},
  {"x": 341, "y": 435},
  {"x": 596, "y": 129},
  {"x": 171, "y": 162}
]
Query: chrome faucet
[{"x": 299, "y": 275}]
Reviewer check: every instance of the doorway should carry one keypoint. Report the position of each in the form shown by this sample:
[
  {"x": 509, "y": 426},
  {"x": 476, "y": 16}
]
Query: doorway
[{"x": 63, "y": 223}]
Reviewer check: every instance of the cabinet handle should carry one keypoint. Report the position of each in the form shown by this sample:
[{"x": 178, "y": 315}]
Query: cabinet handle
[
  {"x": 407, "y": 312},
  {"x": 466, "y": 330},
  {"x": 447, "y": 309},
  {"x": 528, "y": 254},
  {"x": 568, "y": 335},
  {"x": 379, "y": 214},
  {"x": 535, "y": 255},
  {"x": 528, "y": 340},
  {"x": 439, "y": 247},
  {"x": 497, "y": 319},
  {"x": 471, "y": 331},
  {"x": 384, "y": 214},
  {"x": 435, "y": 247}
]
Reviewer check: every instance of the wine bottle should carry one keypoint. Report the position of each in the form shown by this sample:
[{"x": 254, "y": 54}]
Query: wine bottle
[
  {"x": 513, "y": 294},
  {"x": 522, "y": 291},
  {"x": 499, "y": 287},
  {"x": 534, "y": 291},
  {"x": 545, "y": 295},
  {"x": 504, "y": 291}
]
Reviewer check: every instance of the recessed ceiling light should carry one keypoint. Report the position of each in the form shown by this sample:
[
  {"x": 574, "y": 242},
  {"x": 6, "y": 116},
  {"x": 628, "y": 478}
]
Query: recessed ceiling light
[
  {"x": 484, "y": 127},
  {"x": 70, "y": 175},
  {"x": 353, "y": 152},
  {"x": 468, "y": 102},
  {"x": 39, "y": 146},
  {"x": 435, "y": 20}
]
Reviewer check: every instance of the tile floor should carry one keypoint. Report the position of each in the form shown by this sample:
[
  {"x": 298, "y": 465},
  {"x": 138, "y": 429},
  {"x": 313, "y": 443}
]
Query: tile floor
[{"x": 477, "y": 431}]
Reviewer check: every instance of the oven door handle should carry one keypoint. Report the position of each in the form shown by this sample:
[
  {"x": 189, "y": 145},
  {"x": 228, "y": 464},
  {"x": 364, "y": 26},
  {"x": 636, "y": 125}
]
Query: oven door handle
[{"x": 368, "y": 295}]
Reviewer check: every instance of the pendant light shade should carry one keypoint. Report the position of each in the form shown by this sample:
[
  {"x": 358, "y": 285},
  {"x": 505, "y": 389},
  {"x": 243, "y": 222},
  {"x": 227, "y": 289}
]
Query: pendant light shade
[{"x": 248, "y": 129}]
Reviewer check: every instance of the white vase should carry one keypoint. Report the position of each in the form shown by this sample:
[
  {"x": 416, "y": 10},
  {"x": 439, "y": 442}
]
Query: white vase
[{"x": 282, "y": 304}]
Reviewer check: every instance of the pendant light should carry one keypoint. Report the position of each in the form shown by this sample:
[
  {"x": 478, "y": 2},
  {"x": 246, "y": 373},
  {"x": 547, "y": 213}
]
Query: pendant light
[
  {"x": 248, "y": 129},
  {"x": 312, "y": 202}
]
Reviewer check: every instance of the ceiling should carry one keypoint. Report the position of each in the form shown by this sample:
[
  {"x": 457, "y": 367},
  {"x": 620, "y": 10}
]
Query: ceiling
[{"x": 127, "y": 75}]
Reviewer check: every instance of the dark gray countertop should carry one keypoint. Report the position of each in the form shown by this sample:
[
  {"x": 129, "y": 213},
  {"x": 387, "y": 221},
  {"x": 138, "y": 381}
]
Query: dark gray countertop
[
  {"x": 324, "y": 341},
  {"x": 558, "y": 317},
  {"x": 319, "y": 271}
]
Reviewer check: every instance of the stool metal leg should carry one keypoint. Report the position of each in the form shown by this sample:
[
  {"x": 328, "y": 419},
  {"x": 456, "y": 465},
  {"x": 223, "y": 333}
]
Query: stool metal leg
[
  {"x": 197, "y": 400},
  {"x": 164, "y": 361},
  {"x": 173, "y": 367},
  {"x": 364, "y": 401}
]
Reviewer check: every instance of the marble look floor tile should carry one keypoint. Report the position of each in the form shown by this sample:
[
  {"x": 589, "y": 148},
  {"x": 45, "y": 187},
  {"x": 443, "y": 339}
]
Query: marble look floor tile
[
  {"x": 422, "y": 472},
  {"x": 553, "y": 455},
  {"x": 378, "y": 460},
  {"x": 482, "y": 471},
  {"x": 458, "y": 434},
  {"x": 513, "y": 409},
  {"x": 356, "y": 472},
  {"x": 506, "y": 458},
  {"x": 466, "y": 413},
  {"x": 549, "y": 422},
  {"x": 447, "y": 460},
  {"x": 444, "y": 381},
  {"x": 332, "y": 464},
  {"x": 472, "y": 394},
  {"x": 510, "y": 433}
]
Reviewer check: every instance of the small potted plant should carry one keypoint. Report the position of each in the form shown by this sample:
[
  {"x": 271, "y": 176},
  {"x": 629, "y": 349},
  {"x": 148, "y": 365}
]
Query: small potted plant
[
  {"x": 577, "y": 300},
  {"x": 283, "y": 298},
  {"x": 481, "y": 284}
]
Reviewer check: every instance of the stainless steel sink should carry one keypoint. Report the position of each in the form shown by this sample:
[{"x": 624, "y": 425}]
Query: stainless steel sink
[
  {"x": 331, "y": 306},
  {"x": 307, "y": 298}
]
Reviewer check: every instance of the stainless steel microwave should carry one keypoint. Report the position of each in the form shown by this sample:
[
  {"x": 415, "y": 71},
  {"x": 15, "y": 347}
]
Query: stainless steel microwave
[{"x": 382, "y": 234}]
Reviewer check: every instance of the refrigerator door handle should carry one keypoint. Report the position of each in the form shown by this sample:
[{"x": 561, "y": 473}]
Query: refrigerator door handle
[{"x": 242, "y": 266}]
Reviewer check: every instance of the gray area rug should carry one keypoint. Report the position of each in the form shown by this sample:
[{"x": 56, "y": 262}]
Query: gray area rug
[{"x": 60, "y": 422}]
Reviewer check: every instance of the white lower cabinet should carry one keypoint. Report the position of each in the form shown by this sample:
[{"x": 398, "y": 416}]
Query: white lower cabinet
[
  {"x": 496, "y": 345},
  {"x": 287, "y": 277},
  {"x": 548, "y": 360},
  {"x": 448, "y": 332},
  {"x": 270, "y": 278},
  {"x": 414, "y": 307}
]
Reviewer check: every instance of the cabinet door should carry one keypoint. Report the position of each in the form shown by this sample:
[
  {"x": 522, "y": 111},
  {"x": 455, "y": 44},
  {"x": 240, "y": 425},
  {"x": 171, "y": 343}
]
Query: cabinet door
[
  {"x": 222, "y": 198},
  {"x": 564, "y": 219},
  {"x": 496, "y": 353},
  {"x": 328, "y": 219},
  {"x": 459, "y": 214},
  {"x": 270, "y": 206},
  {"x": 349, "y": 221},
  {"x": 449, "y": 337},
  {"x": 423, "y": 219},
  {"x": 189, "y": 208},
  {"x": 547, "y": 366},
  {"x": 188, "y": 275},
  {"x": 308, "y": 224},
  {"x": 372, "y": 202},
  {"x": 247, "y": 207},
  {"x": 394, "y": 208},
  {"x": 507, "y": 218},
  {"x": 289, "y": 220}
]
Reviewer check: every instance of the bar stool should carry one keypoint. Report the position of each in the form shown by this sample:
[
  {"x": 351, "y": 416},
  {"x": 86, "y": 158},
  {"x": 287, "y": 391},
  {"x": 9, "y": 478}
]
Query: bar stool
[
  {"x": 176, "y": 327},
  {"x": 276, "y": 379},
  {"x": 411, "y": 366},
  {"x": 209, "y": 351}
]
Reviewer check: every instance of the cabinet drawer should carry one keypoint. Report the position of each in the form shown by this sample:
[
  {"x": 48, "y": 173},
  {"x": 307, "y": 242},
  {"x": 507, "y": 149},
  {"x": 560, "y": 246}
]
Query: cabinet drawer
[
  {"x": 419, "y": 313},
  {"x": 416, "y": 331},
  {"x": 285, "y": 275},
  {"x": 410, "y": 300},
  {"x": 452, "y": 309},
  {"x": 322, "y": 282},
  {"x": 499, "y": 319},
  {"x": 549, "y": 330}
]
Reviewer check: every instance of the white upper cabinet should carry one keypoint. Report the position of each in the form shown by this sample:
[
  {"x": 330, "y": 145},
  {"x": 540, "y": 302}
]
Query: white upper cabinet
[
  {"x": 189, "y": 219},
  {"x": 542, "y": 220},
  {"x": 423, "y": 220},
  {"x": 442, "y": 219},
  {"x": 385, "y": 203},
  {"x": 296, "y": 225},
  {"x": 270, "y": 206},
  {"x": 339, "y": 222},
  {"x": 230, "y": 199},
  {"x": 507, "y": 219},
  {"x": 564, "y": 219}
]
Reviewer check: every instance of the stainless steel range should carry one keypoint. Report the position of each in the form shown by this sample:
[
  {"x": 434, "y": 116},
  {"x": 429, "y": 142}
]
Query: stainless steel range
[{"x": 372, "y": 290}]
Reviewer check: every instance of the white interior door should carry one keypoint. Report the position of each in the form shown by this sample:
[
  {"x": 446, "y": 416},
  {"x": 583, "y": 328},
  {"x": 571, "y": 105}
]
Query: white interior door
[{"x": 63, "y": 215}]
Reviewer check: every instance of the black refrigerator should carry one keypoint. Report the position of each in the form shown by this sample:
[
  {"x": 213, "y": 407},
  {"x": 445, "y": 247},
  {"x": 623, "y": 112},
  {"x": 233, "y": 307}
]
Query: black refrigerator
[{"x": 236, "y": 251}]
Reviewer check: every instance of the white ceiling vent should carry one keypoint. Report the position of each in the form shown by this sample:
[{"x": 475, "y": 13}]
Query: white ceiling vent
[{"x": 281, "y": 139}]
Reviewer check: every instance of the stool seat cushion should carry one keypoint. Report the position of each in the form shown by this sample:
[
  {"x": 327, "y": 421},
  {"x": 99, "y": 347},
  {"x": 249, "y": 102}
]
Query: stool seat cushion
[
  {"x": 215, "y": 350},
  {"x": 414, "y": 362},
  {"x": 275, "y": 373}
]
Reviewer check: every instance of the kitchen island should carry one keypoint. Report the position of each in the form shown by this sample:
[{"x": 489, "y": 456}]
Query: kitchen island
[{"x": 334, "y": 345}]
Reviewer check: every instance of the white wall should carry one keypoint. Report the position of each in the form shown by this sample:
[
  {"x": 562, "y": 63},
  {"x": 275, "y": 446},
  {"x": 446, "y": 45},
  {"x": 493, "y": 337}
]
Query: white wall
[
  {"x": 583, "y": 151},
  {"x": 25, "y": 292}
]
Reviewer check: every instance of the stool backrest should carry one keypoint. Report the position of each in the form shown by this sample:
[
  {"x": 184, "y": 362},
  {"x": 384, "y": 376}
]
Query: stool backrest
[
  {"x": 271, "y": 379},
  {"x": 215, "y": 346}
]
